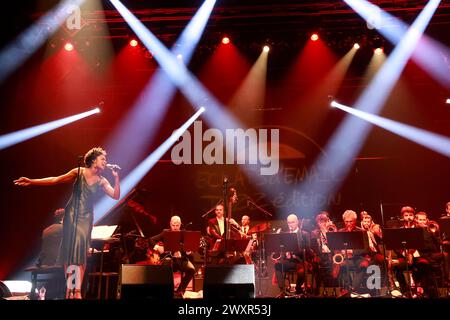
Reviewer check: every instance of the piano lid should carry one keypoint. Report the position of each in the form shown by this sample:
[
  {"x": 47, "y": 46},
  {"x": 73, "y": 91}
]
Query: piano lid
[{"x": 131, "y": 215}]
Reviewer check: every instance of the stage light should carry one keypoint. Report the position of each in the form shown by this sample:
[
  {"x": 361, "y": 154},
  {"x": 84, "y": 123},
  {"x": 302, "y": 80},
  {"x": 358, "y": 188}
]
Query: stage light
[
  {"x": 378, "y": 51},
  {"x": 225, "y": 40},
  {"x": 133, "y": 43},
  {"x": 159, "y": 90},
  {"x": 447, "y": 101},
  {"x": 333, "y": 104},
  {"x": 314, "y": 37},
  {"x": 180, "y": 57},
  {"x": 266, "y": 49},
  {"x": 26, "y": 44},
  {"x": 97, "y": 110},
  {"x": 356, "y": 46},
  {"x": 68, "y": 46}
]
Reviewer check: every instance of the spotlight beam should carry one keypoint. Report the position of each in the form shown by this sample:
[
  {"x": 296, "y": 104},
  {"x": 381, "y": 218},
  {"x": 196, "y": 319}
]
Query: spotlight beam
[
  {"x": 432, "y": 141},
  {"x": 349, "y": 137},
  {"x": 133, "y": 178},
  {"x": 158, "y": 92},
  {"x": 431, "y": 56},
  {"x": 216, "y": 115},
  {"x": 13, "y": 138},
  {"x": 17, "y": 52}
]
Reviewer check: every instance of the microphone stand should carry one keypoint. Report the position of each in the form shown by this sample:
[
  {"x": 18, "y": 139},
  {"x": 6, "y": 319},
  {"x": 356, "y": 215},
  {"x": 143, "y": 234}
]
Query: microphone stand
[
  {"x": 262, "y": 264},
  {"x": 227, "y": 212},
  {"x": 385, "y": 264},
  {"x": 76, "y": 206}
]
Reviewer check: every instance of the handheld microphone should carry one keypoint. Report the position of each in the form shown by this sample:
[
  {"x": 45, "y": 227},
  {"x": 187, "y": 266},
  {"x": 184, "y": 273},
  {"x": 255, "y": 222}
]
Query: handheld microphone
[{"x": 113, "y": 167}]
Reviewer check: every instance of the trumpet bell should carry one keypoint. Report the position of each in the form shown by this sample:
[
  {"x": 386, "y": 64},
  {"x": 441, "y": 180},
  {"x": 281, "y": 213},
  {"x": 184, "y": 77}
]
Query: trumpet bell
[{"x": 338, "y": 258}]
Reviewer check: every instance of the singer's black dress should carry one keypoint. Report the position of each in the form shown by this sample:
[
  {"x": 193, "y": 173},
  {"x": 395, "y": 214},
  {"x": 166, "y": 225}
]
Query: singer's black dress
[{"x": 75, "y": 245}]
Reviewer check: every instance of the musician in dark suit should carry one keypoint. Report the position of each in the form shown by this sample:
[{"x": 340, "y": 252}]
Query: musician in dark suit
[
  {"x": 178, "y": 260},
  {"x": 359, "y": 259},
  {"x": 293, "y": 261}
]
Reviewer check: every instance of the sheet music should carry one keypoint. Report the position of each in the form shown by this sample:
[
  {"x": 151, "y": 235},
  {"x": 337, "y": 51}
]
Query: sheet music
[{"x": 102, "y": 232}]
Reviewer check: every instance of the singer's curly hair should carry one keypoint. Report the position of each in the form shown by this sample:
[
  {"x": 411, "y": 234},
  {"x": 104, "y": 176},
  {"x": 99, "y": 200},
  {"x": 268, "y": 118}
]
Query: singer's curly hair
[{"x": 91, "y": 155}]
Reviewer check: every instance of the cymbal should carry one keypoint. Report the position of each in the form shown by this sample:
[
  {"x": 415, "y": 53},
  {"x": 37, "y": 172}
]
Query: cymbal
[{"x": 259, "y": 228}]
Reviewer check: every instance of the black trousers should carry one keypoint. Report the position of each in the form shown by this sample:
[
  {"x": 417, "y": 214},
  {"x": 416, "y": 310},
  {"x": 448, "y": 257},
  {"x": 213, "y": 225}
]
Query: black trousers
[{"x": 183, "y": 265}]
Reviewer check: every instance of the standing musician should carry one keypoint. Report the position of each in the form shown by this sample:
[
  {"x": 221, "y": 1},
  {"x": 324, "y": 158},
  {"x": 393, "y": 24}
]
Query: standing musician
[
  {"x": 178, "y": 260},
  {"x": 293, "y": 261}
]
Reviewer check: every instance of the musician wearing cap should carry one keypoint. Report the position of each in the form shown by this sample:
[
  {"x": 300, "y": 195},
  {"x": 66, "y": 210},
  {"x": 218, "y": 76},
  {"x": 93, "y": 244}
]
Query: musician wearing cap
[
  {"x": 178, "y": 260},
  {"x": 293, "y": 261}
]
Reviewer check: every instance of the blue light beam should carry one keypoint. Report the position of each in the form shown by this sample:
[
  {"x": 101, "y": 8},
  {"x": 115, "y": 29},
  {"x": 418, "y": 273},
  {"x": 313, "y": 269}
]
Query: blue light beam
[
  {"x": 13, "y": 138},
  {"x": 133, "y": 178},
  {"x": 432, "y": 141}
]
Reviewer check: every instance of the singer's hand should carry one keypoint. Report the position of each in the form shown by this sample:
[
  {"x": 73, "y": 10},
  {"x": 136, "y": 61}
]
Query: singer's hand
[
  {"x": 115, "y": 173},
  {"x": 22, "y": 181}
]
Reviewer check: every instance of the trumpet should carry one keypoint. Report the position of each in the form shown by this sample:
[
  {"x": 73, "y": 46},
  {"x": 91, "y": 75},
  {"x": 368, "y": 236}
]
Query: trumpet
[
  {"x": 433, "y": 226},
  {"x": 338, "y": 258},
  {"x": 275, "y": 256},
  {"x": 331, "y": 227}
]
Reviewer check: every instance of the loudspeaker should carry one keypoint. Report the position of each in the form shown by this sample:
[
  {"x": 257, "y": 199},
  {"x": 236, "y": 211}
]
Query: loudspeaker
[
  {"x": 145, "y": 282},
  {"x": 237, "y": 281}
]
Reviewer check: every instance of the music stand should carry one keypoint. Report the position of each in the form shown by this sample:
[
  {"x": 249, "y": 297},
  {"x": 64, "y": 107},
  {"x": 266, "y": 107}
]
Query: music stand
[
  {"x": 282, "y": 243},
  {"x": 181, "y": 240},
  {"x": 404, "y": 239},
  {"x": 354, "y": 240}
]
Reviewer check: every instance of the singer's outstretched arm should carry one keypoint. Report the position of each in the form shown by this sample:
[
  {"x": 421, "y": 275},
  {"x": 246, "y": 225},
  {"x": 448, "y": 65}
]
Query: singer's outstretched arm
[{"x": 65, "y": 178}]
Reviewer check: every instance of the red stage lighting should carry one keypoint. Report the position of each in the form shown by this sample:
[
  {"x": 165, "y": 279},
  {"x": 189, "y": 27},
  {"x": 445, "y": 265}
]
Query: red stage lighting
[
  {"x": 225, "y": 40},
  {"x": 314, "y": 37},
  {"x": 133, "y": 43},
  {"x": 378, "y": 51}
]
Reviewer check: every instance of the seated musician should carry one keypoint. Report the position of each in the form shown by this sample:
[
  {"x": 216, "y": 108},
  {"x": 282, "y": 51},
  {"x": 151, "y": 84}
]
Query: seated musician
[
  {"x": 429, "y": 258},
  {"x": 293, "y": 261},
  {"x": 399, "y": 265},
  {"x": 359, "y": 259},
  {"x": 420, "y": 262},
  {"x": 322, "y": 263},
  {"x": 375, "y": 236},
  {"x": 178, "y": 260},
  {"x": 253, "y": 242},
  {"x": 51, "y": 241},
  {"x": 446, "y": 242}
]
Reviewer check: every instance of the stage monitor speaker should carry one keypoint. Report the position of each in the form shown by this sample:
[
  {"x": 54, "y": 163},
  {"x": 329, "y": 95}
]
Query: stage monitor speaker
[
  {"x": 224, "y": 281},
  {"x": 4, "y": 291},
  {"x": 145, "y": 282}
]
